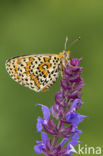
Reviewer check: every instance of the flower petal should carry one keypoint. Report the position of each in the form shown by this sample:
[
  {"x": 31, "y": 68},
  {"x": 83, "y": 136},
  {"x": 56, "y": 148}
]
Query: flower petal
[
  {"x": 75, "y": 103},
  {"x": 39, "y": 124},
  {"x": 44, "y": 137},
  {"x": 75, "y": 136},
  {"x": 63, "y": 141},
  {"x": 46, "y": 112},
  {"x": 74, "y": 118},
  {"x": 38, "y": 149}
]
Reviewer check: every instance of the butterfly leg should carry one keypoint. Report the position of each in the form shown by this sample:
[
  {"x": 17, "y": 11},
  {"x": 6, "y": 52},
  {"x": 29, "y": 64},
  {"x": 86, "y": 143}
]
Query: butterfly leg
[{"x": 61, "y": 70}]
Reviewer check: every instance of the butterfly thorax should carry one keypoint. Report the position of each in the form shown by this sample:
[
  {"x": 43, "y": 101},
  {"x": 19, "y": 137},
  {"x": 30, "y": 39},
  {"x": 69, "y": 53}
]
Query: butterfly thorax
[{"x": 64, "y": 57}]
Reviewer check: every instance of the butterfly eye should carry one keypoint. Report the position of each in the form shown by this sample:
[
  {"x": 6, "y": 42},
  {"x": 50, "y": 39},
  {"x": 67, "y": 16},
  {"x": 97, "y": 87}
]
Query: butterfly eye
[{"x": 65, "y": 53}]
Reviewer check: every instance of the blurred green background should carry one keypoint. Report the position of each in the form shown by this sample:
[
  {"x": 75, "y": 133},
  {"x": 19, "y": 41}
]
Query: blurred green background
[{"x": 40, "y": 26}]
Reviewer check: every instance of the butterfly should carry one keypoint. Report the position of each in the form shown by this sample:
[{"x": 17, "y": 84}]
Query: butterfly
[{"x": 38, "y": 72}]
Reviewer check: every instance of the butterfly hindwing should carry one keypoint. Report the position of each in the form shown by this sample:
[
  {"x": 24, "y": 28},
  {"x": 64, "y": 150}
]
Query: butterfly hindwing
[{"x": 38, "y": 72}]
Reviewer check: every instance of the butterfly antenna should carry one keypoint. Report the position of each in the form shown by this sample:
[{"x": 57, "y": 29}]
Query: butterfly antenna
[
  {"x": 65, "y": 45},
  {"x": 75, "y": 41}
]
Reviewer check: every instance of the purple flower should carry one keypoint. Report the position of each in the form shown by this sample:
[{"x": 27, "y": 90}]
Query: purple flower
[
  {"x": 39, "y": 124},
  {"x": 74, "y": 118},
  {"x": 40, "y": 121},
  {"x": 75, "y": 105},
  {"x": 41, "y": 145},
  {"x": 75, "y": 62},
  {"x": 62, "y": 120},
  {"x": 47, "y": 124},
  {"x": 46, "y": 112}
]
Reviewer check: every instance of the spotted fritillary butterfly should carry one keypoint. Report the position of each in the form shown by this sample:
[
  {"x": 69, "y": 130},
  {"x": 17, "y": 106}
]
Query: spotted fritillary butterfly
[{"x": 38, "y": 72}]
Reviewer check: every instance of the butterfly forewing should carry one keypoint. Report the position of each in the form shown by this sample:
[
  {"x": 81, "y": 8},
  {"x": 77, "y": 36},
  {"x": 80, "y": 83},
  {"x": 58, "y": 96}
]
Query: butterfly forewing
[{"x": 38, "y": 72}]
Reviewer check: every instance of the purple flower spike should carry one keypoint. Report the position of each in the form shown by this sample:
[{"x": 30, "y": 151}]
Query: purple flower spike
[{"x": 65, "y": 118}]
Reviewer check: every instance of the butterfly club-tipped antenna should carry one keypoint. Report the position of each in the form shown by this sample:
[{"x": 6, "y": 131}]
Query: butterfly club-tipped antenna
[
  {"x": 65, "y": 45},
  {"x": 75, "y": 41}
]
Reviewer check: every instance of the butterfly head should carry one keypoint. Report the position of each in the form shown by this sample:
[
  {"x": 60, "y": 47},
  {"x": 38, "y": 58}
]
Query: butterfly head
[{"x": 66, "y": 54}]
